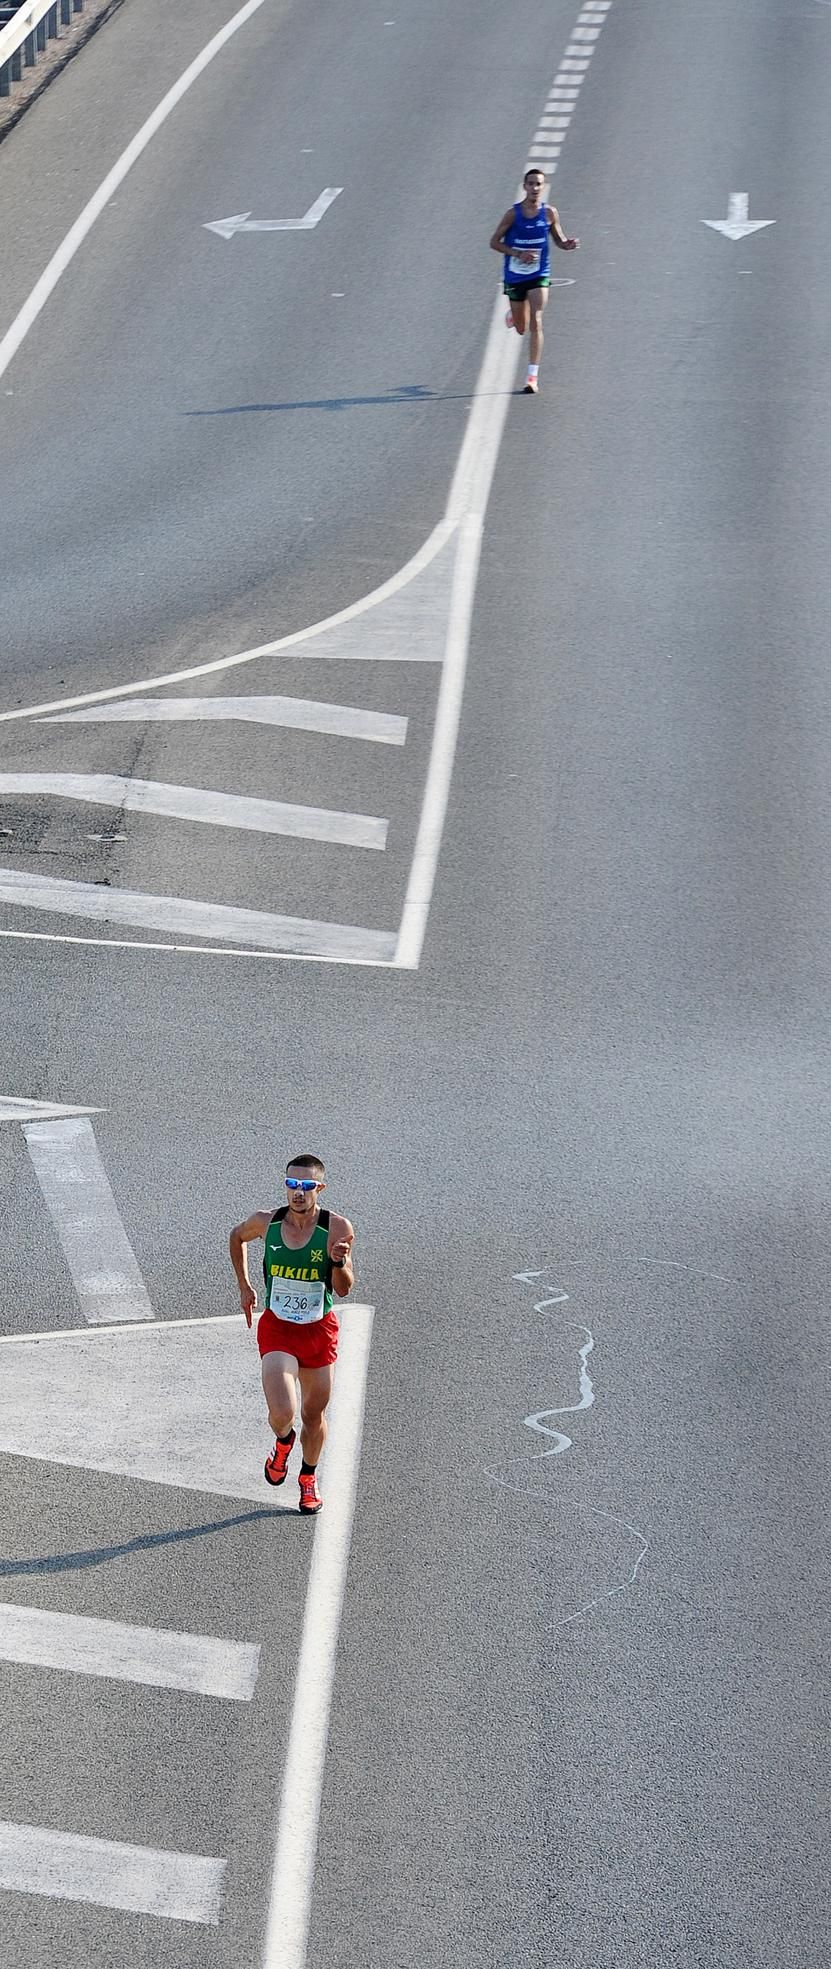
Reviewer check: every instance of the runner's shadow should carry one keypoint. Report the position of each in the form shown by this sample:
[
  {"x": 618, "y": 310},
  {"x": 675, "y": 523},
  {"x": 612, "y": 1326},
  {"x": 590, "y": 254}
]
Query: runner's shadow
[
  {"x": 407, "y": 393},
  {"x": 99, "y": 1555}
]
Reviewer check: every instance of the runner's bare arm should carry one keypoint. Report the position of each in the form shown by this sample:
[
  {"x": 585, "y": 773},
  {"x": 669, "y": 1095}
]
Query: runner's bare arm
[
  {"x": 341, "y": 1235},
  {"x": 498, "y": 240},
  {"x": 560, "y": 238},
  {"x": 241, "y": 1236}
]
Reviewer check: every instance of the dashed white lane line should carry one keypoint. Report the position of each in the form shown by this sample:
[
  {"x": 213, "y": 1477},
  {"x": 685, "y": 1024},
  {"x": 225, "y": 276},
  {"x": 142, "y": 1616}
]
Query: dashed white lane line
[
  {"x": 36, "y": 1859},
  {"x": 220, "y": 925},
  {"x": 196, "y": 803},
  {"x": 301, "y": 714},
  {"x": 77, "y": 1194},
  {"x": 115, "y": 1651}
]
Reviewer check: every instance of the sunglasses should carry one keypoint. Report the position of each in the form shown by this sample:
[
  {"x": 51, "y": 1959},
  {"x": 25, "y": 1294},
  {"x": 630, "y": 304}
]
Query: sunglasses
[{"x": 305, "y": 1183}]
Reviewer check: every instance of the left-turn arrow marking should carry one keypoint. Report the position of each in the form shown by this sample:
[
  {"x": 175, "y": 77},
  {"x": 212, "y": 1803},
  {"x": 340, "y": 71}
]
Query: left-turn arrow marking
[{"x": 243, "y": 222}]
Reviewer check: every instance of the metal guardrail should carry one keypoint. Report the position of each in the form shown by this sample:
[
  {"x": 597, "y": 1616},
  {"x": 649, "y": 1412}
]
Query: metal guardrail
[{"x": 25, "y": 31}]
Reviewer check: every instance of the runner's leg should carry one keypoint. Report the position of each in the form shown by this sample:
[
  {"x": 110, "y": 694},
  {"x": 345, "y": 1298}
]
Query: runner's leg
[
  {"x": 280, "y": 1372},
  {"x": 519, "y": 310},
  {"x": 536, "y": 302},
  {"x": 315, "y": 1395}
]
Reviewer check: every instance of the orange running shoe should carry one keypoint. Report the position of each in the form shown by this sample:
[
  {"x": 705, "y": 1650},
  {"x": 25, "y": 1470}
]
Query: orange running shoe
[
  {"x": 310, "y": 1498},
  {"x": 277, "y": 1463}
]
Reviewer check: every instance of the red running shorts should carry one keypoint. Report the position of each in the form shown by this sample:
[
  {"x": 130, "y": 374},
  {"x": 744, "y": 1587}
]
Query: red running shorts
[{"x": 315, "y": 1345}]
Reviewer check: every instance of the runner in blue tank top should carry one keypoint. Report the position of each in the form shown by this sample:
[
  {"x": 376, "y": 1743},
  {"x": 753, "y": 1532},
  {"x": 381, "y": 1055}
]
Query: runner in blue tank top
[{"x": 523, "y": 238}]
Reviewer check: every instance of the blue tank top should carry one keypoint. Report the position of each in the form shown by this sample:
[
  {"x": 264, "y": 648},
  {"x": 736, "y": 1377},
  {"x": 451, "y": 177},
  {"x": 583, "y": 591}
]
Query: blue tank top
[{"x": 530, "y": 235}]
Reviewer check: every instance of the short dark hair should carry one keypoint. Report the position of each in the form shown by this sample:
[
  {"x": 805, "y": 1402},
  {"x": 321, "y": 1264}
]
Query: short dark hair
[
  {"x": 534, "y": 171},
  {"x": 306, "y": 1162}
]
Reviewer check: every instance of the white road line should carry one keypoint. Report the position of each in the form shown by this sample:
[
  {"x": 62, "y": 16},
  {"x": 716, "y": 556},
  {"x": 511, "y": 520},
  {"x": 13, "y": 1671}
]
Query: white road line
[
  {"x": 129, "y": 1402},
  {"x": 301, "y": 714},
  {"x": 34, "y": 1859},
  {"x": 215, "y": 922},
  {"x": 82, "y": 1207},
  {"x": 14, "y": 1109},
  {"x": 154, "y": 1656},
  {"x": 464, "y": 516},
  {"x": 60, "y": 260},
  {"x": 302, "y": 641},
  {"x": 296, "y": 1852},
  {"x": 150, "y": 796}
]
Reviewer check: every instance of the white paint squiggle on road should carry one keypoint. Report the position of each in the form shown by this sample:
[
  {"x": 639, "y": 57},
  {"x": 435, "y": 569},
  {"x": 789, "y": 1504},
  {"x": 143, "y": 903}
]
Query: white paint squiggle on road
[
  {"x": 559, "y": 1441},
  {"x": 613, "y": 1592}
]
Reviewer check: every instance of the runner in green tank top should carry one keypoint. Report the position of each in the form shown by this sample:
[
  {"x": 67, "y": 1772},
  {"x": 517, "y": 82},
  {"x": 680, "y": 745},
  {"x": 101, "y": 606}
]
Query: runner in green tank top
[{"x": 307, "y": 1265}]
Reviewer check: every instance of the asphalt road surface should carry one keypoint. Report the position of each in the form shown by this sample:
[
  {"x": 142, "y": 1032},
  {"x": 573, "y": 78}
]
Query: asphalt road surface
[{"x": 580, "y": 1710}]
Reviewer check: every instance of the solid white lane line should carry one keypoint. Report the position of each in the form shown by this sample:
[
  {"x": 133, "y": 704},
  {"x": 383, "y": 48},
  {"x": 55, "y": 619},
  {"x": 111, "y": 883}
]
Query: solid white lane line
[
  {"x": 302, "y": 714},
  {"x": 155, "y": 1656},
  {"x": 150, "y": 796},
  {"x": 296, "y": 1853},
  {"x": 63, "y": 1866},
  {"x": 81, "y": 1204},
  {"x": 60, "y": 260},
  {"x": 218, "y": 923}
]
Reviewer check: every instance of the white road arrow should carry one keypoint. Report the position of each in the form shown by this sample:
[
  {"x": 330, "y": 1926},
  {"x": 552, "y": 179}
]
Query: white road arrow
[
  {"x": 737, "y": 225},
  {"x": 243, "y": 222}
]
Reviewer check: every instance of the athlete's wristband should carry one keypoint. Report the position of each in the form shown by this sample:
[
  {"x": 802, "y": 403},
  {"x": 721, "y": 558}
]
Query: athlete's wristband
[{"x": 340, "y": 1262}]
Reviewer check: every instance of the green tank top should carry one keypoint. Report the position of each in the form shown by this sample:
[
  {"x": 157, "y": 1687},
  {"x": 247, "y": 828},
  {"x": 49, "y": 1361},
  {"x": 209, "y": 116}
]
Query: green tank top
[{"x": 298, "y": 1283}]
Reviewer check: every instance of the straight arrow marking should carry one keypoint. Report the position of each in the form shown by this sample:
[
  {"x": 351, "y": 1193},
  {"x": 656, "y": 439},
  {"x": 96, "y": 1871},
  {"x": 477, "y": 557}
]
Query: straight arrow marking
[
  {"x": 243, "y": 222},
  {"x": 737, "y": 225}
]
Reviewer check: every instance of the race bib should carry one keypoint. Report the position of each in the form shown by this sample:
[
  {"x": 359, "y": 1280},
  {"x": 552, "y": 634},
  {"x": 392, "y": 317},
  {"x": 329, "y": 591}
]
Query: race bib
[
  {"x": 525, "y": 269},
  {"x": 294, "y": 1300}
]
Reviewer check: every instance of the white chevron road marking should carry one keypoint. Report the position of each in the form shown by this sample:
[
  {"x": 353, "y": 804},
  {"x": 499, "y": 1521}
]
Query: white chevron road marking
[
  {"x": 300, "y": 714},
  {"x": 82, "y": 1207},
  {"x": 243, "y": 932},
  {"x": 150, "y": 796},
  {"x": 35, "y": 1859},
  {"x": 117, "y": 1652}
]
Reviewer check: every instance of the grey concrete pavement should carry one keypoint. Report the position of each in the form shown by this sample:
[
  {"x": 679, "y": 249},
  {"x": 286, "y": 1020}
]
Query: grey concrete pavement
[{"x": 610, "y": 1069}]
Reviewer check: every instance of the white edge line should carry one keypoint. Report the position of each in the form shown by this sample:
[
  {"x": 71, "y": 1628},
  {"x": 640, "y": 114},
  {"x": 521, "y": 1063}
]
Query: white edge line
[
  {"x": 204, "y": 950},
  {"x": 296, "y": 1846},
  {"x": 45, "y": 286},
  {"x": 144, "y": 1326},
  {"x": 424, "y": 864}
]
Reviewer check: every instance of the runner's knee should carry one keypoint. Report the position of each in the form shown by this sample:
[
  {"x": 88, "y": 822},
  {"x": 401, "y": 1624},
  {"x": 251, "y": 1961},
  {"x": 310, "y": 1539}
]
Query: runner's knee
[
  {"x": 313, "y": 1410},
  {"x": 281, "y": 1417}
]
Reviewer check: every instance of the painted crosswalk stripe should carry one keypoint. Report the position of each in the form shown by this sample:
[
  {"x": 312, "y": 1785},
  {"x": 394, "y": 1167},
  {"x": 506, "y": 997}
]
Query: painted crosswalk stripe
[
  {"x": 304, "y": 714},
  {"x": 150, "y": 796},
  {"x": 81, "y": 1204},
  {"x": 216, "y": 923},
  {"x": 35, "y": 1859},
  {"x": 157, "y": 1657}
]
